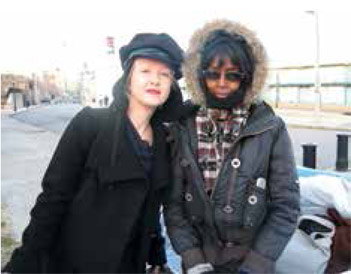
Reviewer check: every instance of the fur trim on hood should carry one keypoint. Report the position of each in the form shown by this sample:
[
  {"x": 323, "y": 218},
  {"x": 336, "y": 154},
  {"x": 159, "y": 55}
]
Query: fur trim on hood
[{"x": 193, "y": 60}]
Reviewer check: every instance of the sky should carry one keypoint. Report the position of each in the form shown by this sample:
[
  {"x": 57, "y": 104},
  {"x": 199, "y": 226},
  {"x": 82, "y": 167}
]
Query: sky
[{"x": 39, "y": 35}]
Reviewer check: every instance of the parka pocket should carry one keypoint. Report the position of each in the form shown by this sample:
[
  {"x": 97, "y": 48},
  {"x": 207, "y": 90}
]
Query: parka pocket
[{"x": 255, "y": 204}]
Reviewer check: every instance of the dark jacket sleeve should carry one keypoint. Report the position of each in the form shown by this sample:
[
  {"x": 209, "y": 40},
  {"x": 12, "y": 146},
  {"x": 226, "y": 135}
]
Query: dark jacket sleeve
[
  {"x": 283, "y": 208},
  {"x": 59, "y": 186},
  {"x": 184, "y": 238}
]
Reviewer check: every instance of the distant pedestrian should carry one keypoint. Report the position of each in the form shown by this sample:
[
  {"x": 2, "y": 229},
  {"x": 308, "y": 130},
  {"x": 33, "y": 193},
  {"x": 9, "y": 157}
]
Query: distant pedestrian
[
  {"x": 106, "y": 99},
  {"x": 99, "y": 208},
  {"x": 234, "y": 203}
]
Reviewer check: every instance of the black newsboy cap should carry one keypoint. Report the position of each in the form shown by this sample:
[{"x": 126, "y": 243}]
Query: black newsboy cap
[{"x": 154, "y": 46}]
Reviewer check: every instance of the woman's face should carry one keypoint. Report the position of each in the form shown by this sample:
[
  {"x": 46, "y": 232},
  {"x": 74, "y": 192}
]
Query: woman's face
[
  {"x": 150, "y": 83},
  {"x": 222, "y": 78}
]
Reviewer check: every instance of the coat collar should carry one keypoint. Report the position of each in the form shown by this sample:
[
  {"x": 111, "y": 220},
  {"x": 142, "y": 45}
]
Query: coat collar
[{"x": 262, "y": 117}]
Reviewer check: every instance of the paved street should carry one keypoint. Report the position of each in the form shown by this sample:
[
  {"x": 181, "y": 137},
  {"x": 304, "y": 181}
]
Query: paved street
[
  {"x": 25, "y": 153},
  {"x": 49, "y": 117}
]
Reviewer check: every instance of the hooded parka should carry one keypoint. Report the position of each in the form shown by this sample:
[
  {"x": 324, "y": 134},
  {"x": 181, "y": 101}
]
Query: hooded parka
[
  {"x": 98, "y": 206},
  {"x": 252, "y": 212}
]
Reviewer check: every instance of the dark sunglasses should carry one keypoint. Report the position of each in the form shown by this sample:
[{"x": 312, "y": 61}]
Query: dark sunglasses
[{"x": 231, "y": 76}]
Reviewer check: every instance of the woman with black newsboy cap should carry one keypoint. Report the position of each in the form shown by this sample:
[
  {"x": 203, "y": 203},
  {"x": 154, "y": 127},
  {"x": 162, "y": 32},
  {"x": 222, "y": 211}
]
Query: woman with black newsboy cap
[{"x": 99, "y": 208}]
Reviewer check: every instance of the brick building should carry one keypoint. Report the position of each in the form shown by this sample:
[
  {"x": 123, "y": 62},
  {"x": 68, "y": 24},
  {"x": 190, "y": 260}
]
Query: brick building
[
  {"x": 20, "y": 90},
  {"x": 15, "y": 89}
]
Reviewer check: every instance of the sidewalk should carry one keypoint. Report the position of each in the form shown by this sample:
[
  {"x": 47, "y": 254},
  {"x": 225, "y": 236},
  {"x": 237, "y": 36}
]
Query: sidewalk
[
  {"x": 315, "y": 120},
  {"x": 25, "y": 153},
  {"x": 9, "y": 111},
  {"x": 329, "y": 121}
]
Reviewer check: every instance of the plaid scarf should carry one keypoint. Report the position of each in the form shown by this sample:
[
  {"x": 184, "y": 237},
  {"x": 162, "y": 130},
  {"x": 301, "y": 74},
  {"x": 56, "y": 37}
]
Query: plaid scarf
[{"x": 216, "y": 131}]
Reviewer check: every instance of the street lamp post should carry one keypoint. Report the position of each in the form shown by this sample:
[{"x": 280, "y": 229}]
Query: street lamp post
[{"x": 317, "y": 83}]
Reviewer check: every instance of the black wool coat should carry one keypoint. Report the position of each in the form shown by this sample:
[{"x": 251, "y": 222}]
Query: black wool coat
[{"x": 95, "y": 197}]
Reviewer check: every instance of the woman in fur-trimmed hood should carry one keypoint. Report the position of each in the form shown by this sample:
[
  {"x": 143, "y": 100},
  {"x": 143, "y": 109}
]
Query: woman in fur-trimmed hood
[
  {"x": 234, "y": 202},
  {"x": 201, "y": 40}
]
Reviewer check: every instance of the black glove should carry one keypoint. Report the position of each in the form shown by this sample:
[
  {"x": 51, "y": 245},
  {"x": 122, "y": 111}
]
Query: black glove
[{"x": 159, "y": 269}]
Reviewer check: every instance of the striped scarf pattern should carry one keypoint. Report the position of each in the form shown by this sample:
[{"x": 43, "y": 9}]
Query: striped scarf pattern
[{"x": 217, "y": 130}]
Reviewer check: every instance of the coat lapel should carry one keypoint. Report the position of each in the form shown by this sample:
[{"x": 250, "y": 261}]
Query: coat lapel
[
  {"x": 113, "y": 155},
  {"x": 126, "y": 165},
  {"x": 161, "y": 167},
  {"x": 260, "y": 119}
]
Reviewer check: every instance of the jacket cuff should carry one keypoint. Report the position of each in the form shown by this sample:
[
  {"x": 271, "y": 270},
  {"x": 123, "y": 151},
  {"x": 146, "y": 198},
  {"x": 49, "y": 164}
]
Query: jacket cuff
[
  {"x": 256, "y": 263},
  {"x": 192, "y": 257},
  {"x": 200, "y": 268}
]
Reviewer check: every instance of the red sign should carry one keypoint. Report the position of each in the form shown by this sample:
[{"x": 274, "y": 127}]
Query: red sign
[{"x": 110, "y": 41}]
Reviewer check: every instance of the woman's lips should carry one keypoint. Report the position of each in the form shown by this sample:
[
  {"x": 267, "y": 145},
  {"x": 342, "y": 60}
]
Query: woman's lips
[
  {"x": 153, "y": 91},
  {"x": 221, "y": 94}
]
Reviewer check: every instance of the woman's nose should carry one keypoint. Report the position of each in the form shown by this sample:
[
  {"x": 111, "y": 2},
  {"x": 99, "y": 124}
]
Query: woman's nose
[
  {"x": 155, "y": 78},
  {"x": 222, "y": 79}
]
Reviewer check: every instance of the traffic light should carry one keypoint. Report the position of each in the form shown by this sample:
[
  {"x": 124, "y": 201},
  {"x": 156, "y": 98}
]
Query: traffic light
[{"x": 110, "y": 41}]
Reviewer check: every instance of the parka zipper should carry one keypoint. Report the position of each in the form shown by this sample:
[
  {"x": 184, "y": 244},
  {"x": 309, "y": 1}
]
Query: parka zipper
[
  {"x": 198, "y": 181},
  {"x": 225, "y": 159}
]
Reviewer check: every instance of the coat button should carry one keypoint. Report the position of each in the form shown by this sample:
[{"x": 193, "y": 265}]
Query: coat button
[
  {"x": 252, "y": 199},
  {"x": 261, "y": 182},
  {"x": 229, "y": 244},
  {"x": 228, "y": 209},
  {"x": 188, "y": 197},
  {"x": 235, "y": 163}
]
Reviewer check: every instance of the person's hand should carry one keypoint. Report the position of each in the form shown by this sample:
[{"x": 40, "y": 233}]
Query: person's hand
[
  {"x": 337, "y": 219},
  {"x": 159, "y": 269}
]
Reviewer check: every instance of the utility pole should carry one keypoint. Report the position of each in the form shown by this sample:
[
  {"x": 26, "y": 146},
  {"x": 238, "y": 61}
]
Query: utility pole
[
  {"x": 277, "y": 99},
  {"x": 317, "y": 83}
]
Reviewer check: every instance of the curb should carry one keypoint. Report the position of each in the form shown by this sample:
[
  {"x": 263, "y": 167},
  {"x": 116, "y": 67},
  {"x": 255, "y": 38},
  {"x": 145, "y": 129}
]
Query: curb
[
  {"x": 10, "y": 112},
  {"x": 318, "y": 127}
]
